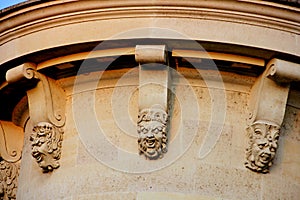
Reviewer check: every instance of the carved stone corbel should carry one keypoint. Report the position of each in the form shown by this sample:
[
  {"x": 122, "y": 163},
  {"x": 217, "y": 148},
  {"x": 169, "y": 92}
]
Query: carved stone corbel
[
  {"x": 9, "y": 173},
  {"x": 153, "y": 100},
  {"x": 11, "y": 143},
  {"x": 46, "y": 102},
  {"x": 267, "y": 108}
]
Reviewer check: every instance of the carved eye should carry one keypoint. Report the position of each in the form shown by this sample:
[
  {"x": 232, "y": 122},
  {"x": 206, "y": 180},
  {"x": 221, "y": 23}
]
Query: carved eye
[
  {"x": 142, "y": 130},
  {"x": 145, "y": 131},
  {"x": 257, "y": 131},
  {"x": 155, "y": 131}
]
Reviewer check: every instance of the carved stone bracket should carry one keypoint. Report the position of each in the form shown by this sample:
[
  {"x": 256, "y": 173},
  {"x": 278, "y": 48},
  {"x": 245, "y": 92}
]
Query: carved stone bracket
[
  {"x": 9, "y": 173},
  {"x": 153, "y": 100},
  {"x": 267, "y": 108},
  {"x": 11, "y": 141},
  {"x": 46, "y": 102}
]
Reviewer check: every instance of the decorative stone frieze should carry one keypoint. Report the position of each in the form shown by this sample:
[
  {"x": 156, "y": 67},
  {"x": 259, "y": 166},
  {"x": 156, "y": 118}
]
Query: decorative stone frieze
[
  {"x": 9, "y": 173},
  {"x": 46, "y": 145},
  {"x": 46, "y": 102},
  {"x": 152, "y": 130},
  {"x": 152, "y": 122},
  {"x": 267, "y": 109}
]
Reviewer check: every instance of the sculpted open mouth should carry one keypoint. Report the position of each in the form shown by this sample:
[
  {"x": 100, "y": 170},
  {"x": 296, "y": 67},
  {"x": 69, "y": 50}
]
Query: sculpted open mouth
[
  {"x": 150, "y": 142},
  {"x": 265, "y": 158}
]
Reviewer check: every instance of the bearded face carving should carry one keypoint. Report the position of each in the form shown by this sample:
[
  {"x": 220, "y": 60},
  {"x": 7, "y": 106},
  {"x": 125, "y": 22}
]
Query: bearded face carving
[
  {"x": 9, "y": 173},
  {"x": 263, "y": 145},
  {"x": 152, "y": 125},
  {"x": 46, "y": 145}
]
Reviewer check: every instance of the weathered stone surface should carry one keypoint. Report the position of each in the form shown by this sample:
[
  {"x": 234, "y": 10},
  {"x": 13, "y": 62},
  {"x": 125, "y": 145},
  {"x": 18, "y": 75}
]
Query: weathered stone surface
[
  {"x": 219, "y": 175},
  {"x": 99, "y": 158}
]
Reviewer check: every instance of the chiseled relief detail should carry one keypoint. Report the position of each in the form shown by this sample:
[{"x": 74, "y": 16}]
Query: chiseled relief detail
[
  {"x": 46, "y": 145},
  {"x": 263, "y": 145},
  {"x": 152, "y": 130},
  {"x": 9, "y": 173}
]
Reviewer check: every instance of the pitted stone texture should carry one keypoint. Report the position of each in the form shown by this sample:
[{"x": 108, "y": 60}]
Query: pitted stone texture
[
  {"x": 227, "y": 183},
  {"x": 219, "y": 175}
]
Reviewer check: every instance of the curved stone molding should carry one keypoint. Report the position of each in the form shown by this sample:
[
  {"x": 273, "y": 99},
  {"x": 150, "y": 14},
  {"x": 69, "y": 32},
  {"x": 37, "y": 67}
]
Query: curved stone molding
[
  {"x": 283, "y": 72},
  {"x": 10, "y": 150},
  {"x": 46, "y": 95},
  {"x": 262, "y": 146},
  {"x": 9, "y": 173},
  {"x": 48, "y": 18},
  {"x": 20, "y": 113},
  {"x": 46, "y": 145},
  {"x": 25, "y": 71},
  {"x": 267, "y": 109},
  {"x": 152, "y": 125}
]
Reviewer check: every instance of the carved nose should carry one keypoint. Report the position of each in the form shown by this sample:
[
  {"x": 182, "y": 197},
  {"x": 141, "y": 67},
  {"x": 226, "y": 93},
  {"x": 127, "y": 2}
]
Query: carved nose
[
  {"x": 274, "y": 145},
  {"x": 267, "y": 151},
  {"x": 150, "y": 135}
]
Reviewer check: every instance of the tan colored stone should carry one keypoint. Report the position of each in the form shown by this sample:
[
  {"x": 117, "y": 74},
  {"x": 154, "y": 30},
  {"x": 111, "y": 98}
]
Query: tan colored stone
[
  {"x": 172, "y": 196},
  {"x": 112, "y": 196},
  {"x": 208, "y": 110},
  {"x": 228, "y": 183}
]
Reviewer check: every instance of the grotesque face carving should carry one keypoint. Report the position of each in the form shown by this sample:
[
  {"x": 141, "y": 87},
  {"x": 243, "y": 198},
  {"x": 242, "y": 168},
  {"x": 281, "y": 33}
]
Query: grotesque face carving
[
  {"x": 263, "y": 146},
  {"x": 46, "y": 144},
  {"x": 9, "y": 173},
  {"x": 152, "y": 140}
]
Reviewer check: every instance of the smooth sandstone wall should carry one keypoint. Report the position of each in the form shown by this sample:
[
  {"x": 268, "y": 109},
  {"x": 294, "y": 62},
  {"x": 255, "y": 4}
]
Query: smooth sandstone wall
[{"x": 219, "y": 175}]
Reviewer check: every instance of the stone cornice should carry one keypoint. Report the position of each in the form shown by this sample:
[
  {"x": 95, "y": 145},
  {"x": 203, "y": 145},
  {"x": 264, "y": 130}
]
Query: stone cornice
[
  {"x": 53, "y": 14},
  {"x": 66, "y": 12}
]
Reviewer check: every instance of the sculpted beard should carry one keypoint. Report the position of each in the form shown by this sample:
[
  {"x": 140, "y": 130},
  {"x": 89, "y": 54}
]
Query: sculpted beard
[
  {"x": 263, "y": 146},
  {"x": 151, "y": 127},
  {"x": 46, "y": 145},
  {"x": 152, "y": 139}
]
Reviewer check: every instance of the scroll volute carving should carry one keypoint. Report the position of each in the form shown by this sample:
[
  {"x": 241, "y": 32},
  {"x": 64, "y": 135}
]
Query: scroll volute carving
[
  {"x": 267, "y": 109},
  {"x": 46, "y": 102},
  {"x": 11, "y": 141},
  {"x": 9, "y": 173},
  {"x": 46, "y": 99},
  {"x": 11, "y": 144},
  {"x": 152, "y": 124}
]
